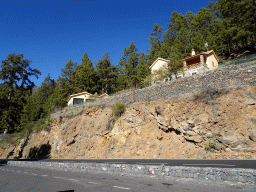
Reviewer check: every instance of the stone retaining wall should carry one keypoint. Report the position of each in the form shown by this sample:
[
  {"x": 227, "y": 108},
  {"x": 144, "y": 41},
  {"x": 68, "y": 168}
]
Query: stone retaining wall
[
  {"x": 233, "y": 76},
  {"x": 197, "y": 173}
]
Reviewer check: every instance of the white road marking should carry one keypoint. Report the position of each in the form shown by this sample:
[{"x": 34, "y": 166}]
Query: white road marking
[
  {"x": 122, "y": 187},
  {"x": 211, "y": 164},
  {"x": 73, "y": 180},
  {"x": 94, "y": 183},
  {"x": 12, "y": 170},
  {"x": 34, "y": 174},
  {"x": 26, "y": 172},
  {"x": 151, "y": 163},
  {"x": 44, "y": 175},
  {"x": 19, "y": 171},
  {"x": 58, "y": 177},
  {"x": 114, "y": 162}
]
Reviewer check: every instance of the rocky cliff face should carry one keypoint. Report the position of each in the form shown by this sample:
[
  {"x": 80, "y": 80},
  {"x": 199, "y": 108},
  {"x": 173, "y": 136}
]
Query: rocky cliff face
[{"x": 214, "y": 124}]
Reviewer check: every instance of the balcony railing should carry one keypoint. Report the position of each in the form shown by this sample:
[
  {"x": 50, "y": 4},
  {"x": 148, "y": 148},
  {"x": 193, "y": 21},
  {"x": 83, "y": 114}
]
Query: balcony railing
[{"x": 194, "y": 65}]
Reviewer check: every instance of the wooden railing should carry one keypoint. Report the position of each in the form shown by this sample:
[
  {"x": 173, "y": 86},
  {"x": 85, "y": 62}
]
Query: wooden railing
[{"x": 193, "y": 65}]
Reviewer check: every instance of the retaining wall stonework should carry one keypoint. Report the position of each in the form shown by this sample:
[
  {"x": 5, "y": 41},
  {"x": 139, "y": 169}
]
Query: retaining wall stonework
[
  {"x": 196, "y": 173},
  {"x": 233, "y": 76}
]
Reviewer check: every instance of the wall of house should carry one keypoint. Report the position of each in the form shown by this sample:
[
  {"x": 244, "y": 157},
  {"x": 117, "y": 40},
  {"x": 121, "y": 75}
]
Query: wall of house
[
  {"x": 70, "y": 101},
  {"x": 80, "y": 96},
  {"x": 159, "y": 64},
  {"x": 209, "y": 61}
]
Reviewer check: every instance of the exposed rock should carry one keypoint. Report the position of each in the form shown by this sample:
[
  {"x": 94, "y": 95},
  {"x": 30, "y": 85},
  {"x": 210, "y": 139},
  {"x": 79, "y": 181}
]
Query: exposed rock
[
  {"x": 147, "y": 129},
  {"x": 248, "y": 101},
  {"x": 158, "y": 110},
  {"x": 252, "y": 135},
  {"x": 195, "y": 139},
  {"x": 163, "y": 123},
  {"x": 188, "y": 125}
]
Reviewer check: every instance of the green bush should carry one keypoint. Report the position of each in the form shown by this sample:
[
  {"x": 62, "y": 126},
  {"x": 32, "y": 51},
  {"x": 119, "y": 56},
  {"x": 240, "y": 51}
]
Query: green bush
[
  {"x": 213, "y": 145},
  {"x": 118, "y": 109}
]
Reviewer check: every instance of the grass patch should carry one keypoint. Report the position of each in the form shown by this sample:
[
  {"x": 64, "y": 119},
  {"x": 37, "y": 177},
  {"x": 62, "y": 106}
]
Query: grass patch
[
  {"x": 41, "y": 124},
  {"x": 118, "y": 109},
  {"x": 12, "y": 139},
  {"x": 34, "y": 126}
]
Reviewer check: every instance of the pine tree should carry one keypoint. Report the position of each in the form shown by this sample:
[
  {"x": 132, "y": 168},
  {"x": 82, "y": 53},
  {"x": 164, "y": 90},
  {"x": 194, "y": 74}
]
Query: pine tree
[
  {"x": 39, "y": 104},
  {"x": 106, "y": 74},
  {"x": 85, "y": 79},
  {"x": 129, "y": 63},
  {"x": 143, "y": 70},
  {"x": 155, "y": 43},
  {"x": 65, "y": 85},
  {"x": 13, "y": 70}
]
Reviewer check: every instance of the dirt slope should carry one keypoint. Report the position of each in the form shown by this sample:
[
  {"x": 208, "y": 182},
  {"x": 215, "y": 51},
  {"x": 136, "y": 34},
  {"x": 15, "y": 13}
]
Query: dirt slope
[{"x": 224, "y": 123}]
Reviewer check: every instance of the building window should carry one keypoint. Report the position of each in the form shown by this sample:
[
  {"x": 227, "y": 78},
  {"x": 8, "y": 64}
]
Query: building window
[
  {"x": 77, "y": 101},
  {"x": 213, "y": 64},
  {"x": 194, "y": 73}
]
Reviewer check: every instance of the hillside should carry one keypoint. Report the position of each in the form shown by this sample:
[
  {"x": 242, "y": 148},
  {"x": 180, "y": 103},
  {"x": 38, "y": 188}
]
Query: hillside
[{"x": 221, "y": 127}]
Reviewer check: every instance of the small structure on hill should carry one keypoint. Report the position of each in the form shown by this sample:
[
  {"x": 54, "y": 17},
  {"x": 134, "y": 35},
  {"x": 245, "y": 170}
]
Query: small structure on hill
[
  {"x": 79, "y": 98},
  {"x": 83, "y": 97},
  {"x": 194, "y": 64}
]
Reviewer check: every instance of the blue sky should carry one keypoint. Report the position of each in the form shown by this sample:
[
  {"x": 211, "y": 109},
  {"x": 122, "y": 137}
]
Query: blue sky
[{"x": 50, "y": 32}]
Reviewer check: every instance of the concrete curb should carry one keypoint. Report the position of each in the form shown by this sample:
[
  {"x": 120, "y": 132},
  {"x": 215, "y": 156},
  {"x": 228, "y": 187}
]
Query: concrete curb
[{"x": 247, "y": 176}]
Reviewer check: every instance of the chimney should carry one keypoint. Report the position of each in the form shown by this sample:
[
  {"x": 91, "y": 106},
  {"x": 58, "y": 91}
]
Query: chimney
[{"x": 193, "y": 52}]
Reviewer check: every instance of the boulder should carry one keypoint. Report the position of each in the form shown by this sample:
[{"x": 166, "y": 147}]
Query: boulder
[
  {"x": 248, "y": 101},
  {"x": 252, "y": 135},
  {"x": 188, "y": 125},
  {"x": 163, "y": 123},
  {"x": 195, "y": 138}
]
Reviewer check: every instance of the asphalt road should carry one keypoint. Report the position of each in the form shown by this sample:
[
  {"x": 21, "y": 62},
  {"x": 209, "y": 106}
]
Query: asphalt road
[
  {"x": 236, "y": 163},
  {"x": 19, "y": 179}
]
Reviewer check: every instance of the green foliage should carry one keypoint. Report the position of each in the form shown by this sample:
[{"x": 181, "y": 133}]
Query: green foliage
[
  {"x": 65, "y": 85},
  {"x": 118, "y": 109},
  {"x": 39, "y": 104},
  {"x": 107, "y": 74},
  {"x": 212, "y": 145},
  {"x": 41, "y": 124},
  {"x": 143, "y": 69},
  {"x": 14, "y": 69},
  {"x": 129, "y": 63},
  {"x": 155, "y": 43},
  {"x": 86, "y": 78},
  {"x": 12, "y": 139}
]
